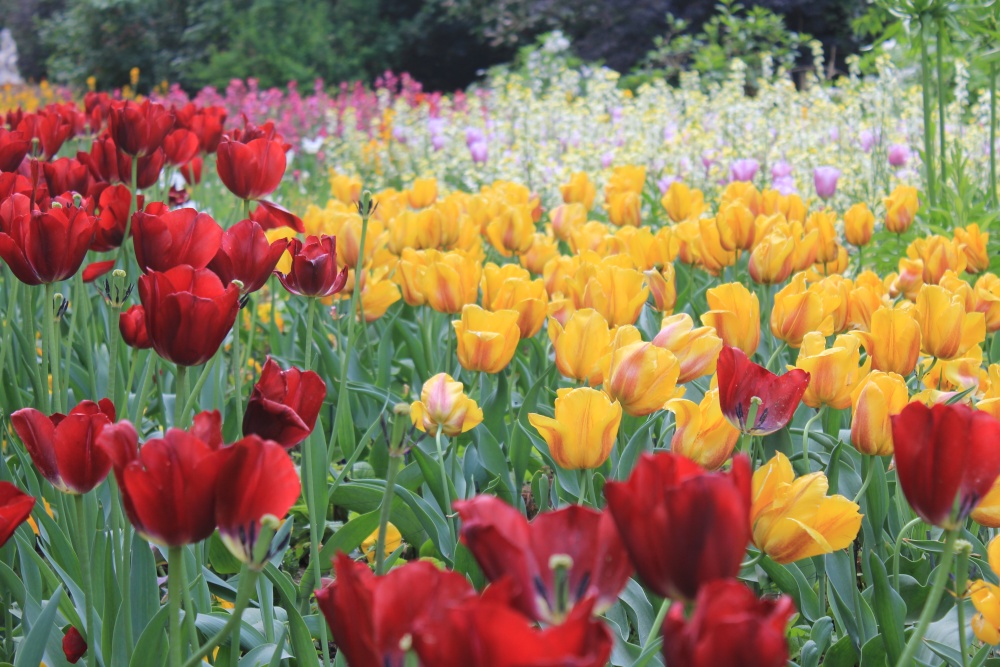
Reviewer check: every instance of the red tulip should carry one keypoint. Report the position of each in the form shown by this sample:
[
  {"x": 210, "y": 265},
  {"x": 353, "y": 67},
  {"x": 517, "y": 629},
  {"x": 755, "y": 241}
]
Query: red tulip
[
  {"x": 504, "y": 543},
  {"x": 12, "y": 183},
  {"x": 13, "y": 147},
  {"x": 683, "y": 527},
  {"x": 205, "y": 122},
  {"x": 740, "y": 380},
  {"x": 102, "y": 160},
  {"x": 139, "y": 128},
  {"x": 251, "y": 170},
  {"x": 246, "y": 255},
  {"x": 66, "y": 175},
  {"x": 257, "y": 480},
  {"x": 113, "y": 205},
  {"x": 165, "y": 239},
  {"x": 284, "y": 404},
  {"x": 370, "y": 616},
  {"x": 74, "y": 645},
  {"x": 63, "y": 447},
  {"x": 314, "y": 267},
  {"x": 132, "y": 325},
  {"x": 947, "y": 458},
  {"x": 49, "y": 129},
  {"x": 149, "y": 168},
  {"x": 44, "y": 247},
  {"x": 730, "y": 626},
  {"x": 188, "y": 313},
  {"x": 15, "y": 506},
  {"x": 95, "y": 270},
  {"x": 192, "y": 170},
  {"x": 169, "y": 487},
  {"x": 180, "y": 147},
  {"x": 271, "y": 216}
]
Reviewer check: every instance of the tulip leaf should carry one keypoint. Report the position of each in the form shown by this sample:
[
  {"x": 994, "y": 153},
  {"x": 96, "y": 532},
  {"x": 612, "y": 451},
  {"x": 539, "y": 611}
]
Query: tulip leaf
[
  {"x": 889, "y": 608},
  {"x": 639, "y": 442},
  {"x": 945, "y": 652},
  {"x": 349, "y": 537},
  {"x": 789, "y": 579},
  {"x": 873, "y": 654},
  {"x": 222, "y": 559},
  {"x": 841, "y": 654},
  {"x": 494, "y": 460},
  {"x": 914, "y": 595},
  {"x": 152, "y": 642},
  {"x": 431, "y": 471},
  {"x": 145, "y": 592},
  {"x": 32, "y": 649},
  {"x": 635, "y": 597},
  {"x": 366, "y": 496}
]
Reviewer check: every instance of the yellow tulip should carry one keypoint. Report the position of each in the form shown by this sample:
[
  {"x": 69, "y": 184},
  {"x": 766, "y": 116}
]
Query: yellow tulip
[
  {"x": 580, "y": 345},
  {"x": 908, "y": 281},
  {"x": 823, "y": 222},
  {"x": 736, "y": 226},
  {"x": 974, "y": 244},
  {"x": 836, "y": 292},
  {"x": 877, "y": 397},
  {"x": 662, "y": 285},
  {"x": 584, "y": 428},
  {"x": 771, "y": 260},
  {"x": 542, "y": 249},
  {"x": 797, "y": 311},
  {"x": 714, "y": 256},
  {"x": 566, "y": 218},
  {"x": 946, "y": 329},
  {"x": 511, "y": 231},
  {"x": 512, "y": 289},
  {"x": 901, "y": 208},
  {"x": 377, "y": 294},
  {"x": 393, "y": 540},
  {"x": 627, "y": 178},
  {"x": 431, "y": 227},
  {"x": 625, "y": 208},
  {"x": 682, "y": 202},
  {"x": 422, "y": 193},
  {"x": 616, "y": 292},
  {"x": 938, "y": 255},
  {"x": 893, "y": 344},
  {"x": 579, "y": 190},
  {"x": 986, "y": 599},
  {"x": 697, "y": 350},
  {"x": 859, "y": 224},
  {"x": 588, "y": 236},
  {"x": 444, "y": 405},
  {"x": 345, "y": 188},
  {"x": 990, "y": 402},
  {"x": 486, "y": 340},
  {"x": 793, "y": 518},
  {"x": 833, "y": 372},
  {"x": 641, "y": 376},
  {"x": 639, "y": 244},
  {"x": 864, "y": 300},
  {"x": 446, "y": 281},
  {"x": 702, "y": 432},
  {"x": 285, "y": 263},
  {"x": 987, "y": 293},
  {"x": 735, "y": 315}
]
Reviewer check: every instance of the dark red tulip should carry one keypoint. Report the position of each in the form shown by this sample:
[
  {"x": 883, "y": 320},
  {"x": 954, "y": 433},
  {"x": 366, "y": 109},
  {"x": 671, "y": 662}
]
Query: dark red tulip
[
  {"x": 246, "y": 255},
  {"x": 188, "y": 313},
  {"x": 192, "y": 170},
  {"x": 177, "y": 197},
  {"x": 132, "y": 325},
  {"x": 43, "y": 247},
  {"x": 585, "y": 541},
  {"x": 169, "y": 487},
  {"x": 205, "y": 122},
  {"x": 66, "y": 175},
  {"x": 113, "y": 205},
  {"x": 74, "y": 645},
  {"x": 284, "y": 404},
  {"x": 95, "y": 270},
  {"x": 13, "y": 147},
  {"x": 96, "y": 106},
  {"x": 947, "y": 458},
  {"x": 257, "y": 480},
  {"x": 314, "y": 267},
  {"x": 165, "y": 239},
  {"x": 271, "y": 216},
  {"x": 63, "y": 447},
  {"x": 15, "y": 506},
  {"x": 740, "y": 380},
  {"x": 102, "y": 160},
  {"x": 149, "y": 168},
  {"x": 46, "y": 130},
  {"x": 13, "y": 183},
  {"x": 669, "y": 501},
  {"x": 251, "y": 170},
  {"x": 139, "y": 128},
  {"x": 370, "y": 616},
  {"x": 180, "y": 147}
]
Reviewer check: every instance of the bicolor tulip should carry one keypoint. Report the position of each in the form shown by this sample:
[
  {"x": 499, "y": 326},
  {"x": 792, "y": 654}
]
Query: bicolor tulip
[
  {"x": 284, "y": 404},
  {"x": 584, "y": 428},
  {"x": 874, "y": 401},
  {"x": 662, "y": 286},
  {"x": 486, "y": 340},
  {"x": 859, "y": 224},
  {"x": 566, "y": 218},
  {"x": 504, "y": 289},
  {"x": 771, "y": 261},
  {"x": 510, "y": 231},
  {"x": 682, "y": 202},
  {"x": 641, "y": 377},
  {"x": 696, "y": 349},
  {"x": 701, "y": 431},
  {"x": 735, "y": 315},
  {"x": 580, "y": 189},
  {"x": 444, "y": 406},
  {"x": 901, "y": 208},
  {"x": 986, "y": 599},
  {"x": 313, "y": 271},
  {"x": 741, "y": 381},
  {"x": 834, "y": 372},
  {"x": 798, "y": 310},
  {"x": 616, "y": 292},
  {"x": 736, "y": 226},
  {"x": 165, "y": 239},
  {"x": 893, "y": 343},
  {"x": 625, "y": 208},
  {"x": 946, "y": 329},
  {"x": 938, "y": 255},
  {"x": 15, "y": 507},
  {"x": 974, "y": 243},
  {"x": 580, "y": 345}
]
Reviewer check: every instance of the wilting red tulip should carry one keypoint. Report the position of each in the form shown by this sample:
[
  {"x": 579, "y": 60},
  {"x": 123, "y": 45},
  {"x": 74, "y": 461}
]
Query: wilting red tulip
[
  {"x": 188, "y": 313},
  {"x": 139, "y": 128},
  {"x": 132, "y": 325},
  {"x": 271, "y": 216},
  {"x": 573, "y": 553},
  {"x": 165, "y": 239},
  {"x": 730, "y": 626},
  {"x": 15, "y": 506},
  {"x": 254, "y": 169},
  {"x": 314, "y": 267},
  {"x": 205, "y": 122},
  {"x": 44, "y": 247},
  {"x": 669, "y": 501},
  {"x": 74, "y": 645},
  {"x": 169, "y": 487},
  {"x": 113, "y": 205},
  {"x": 284, "y": 404},
  {"x": 180, "y": 147},
  {"x": 947, "y": 458},
  {"x": 66, "y": 175},
  {"x": 740, "y": 380},
  {"x": 246, "y": 255},
  {"x": 63, "y": 447},
  {"x": 258, "y": 484},
  {"x": 13, "y": 147},
  {"x": 370, "y": 616},
  {"x": 192, "y": 170},
  {"x": 50, "y": 129}
]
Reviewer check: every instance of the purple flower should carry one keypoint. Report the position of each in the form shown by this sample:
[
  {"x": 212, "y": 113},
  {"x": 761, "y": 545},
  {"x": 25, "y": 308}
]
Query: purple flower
[
  {"x": 899, "y": 155},
  {"x": 825, "y": 180},
  {"x": 834, "y": 134},
  {"x": 867, "y": 139},
  {"x": 665, "y": 183},
  {"x": 781, "y": 169},
  {"x": 785, "y": 185},
  {"x": 438, "y": 141},
  {"x": 479, "y": 151},
  {"x": 607, "y": 159},
  {"x": 743, "y": 170}
]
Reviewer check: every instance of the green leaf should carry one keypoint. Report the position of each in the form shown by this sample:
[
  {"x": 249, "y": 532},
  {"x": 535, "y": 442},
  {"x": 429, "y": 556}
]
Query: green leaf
[
  {"x": 889, "y": 608},
  {"x": 32, "y": 649},
  {"x": 873, "y": 654},
  {"x": 350, "y": 536},
  {"x": 222, "y": 559},
  {"x": 300, "y": 638},
  {"x": 366, "y": 496},
  {"x": 789, "y": 579},
  {"x": 841, "y": 654},
  {"x": 151, "y": 649}
]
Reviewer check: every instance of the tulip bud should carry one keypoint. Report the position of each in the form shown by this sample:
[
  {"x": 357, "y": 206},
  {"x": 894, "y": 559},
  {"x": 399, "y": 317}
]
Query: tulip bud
[{"x": 444, "y": 405}]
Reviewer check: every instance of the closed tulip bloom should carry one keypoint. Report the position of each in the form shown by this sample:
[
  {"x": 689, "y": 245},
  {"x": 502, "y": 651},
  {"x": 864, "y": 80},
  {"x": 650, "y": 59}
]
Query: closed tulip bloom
[
  {"x": 510, "y": 232},
  {"x": 874, "y": 401},
  {"x": 313, "y": 270},
  {"x": 901, "y": 208},
  {"x": 505, "y": 544},
  {"x": 132, "y": 325},
  {"x": 859, "y": 224},
  {"x": 74, "y": 646},
  {"x": 771, "y": 260},
  {"x": 793, "y": 518},
  {"x": 180, "y": 147},
  {"x": 735, "y": 315},
  {"x": 580, "y": 345},
  {"x": 696, "y": 349},
  {"x": 566, "y": 218},
  {"x": 736, "y": 226},
  {"x": 584, "y": 428},
  {"x": 626, "y": 178},
  {"x": 946, "y": 329},
  {"x": 702, "y": 433},
  {"x": 13, "y": 147},
  {"x": 908, "y": 280},
  {"x": 893, "y": 344},
  {"x": 543, "y": 249},
  {"x": 825, "y": 180},
  {"x": 246, "y": 255},
  {"x": 486, "y": 340},
  {"x": 42, "y": 247},
  {"x": 616, "y": 292},
  {"x": 165, "y": 239},
  {"x": 284, "y": 404},
  {"x": 422, "y": 193},
  {"x": 377, "y": 294},
  {"x": 682, "y": 202},
  {"x": 799, "y": 310},
  {"x": 113, "y": 204},
  {"x": 833, "y": 372},
  {"x": 251, "y": 170},
  {"x": 393, "y": 540},
  {"x": 511, "y": 288},
  {"x": 986, "y": 599},
  {"x": 641, "y": 376},
  {"x": 63, "y": 447},
  {"x": 987, "y": 295},
  {"x": 188, "y": 313},
  {"x": 15, "y": 507},
  {"x": 449, "y": 280},
  {"x": 662, "y": 286},
  {"x": 580, "y": 190},
  {"x": 139, "y": 128},
  {"x": 938, "y": 255},
  {"x": 625, "y": 208},
  {"x": 444, "y": 406},
  {"x": 974, "y": 243},
  {"x": 670, "y": 500},
  {"x": 711, "y": 247},
  {"x": 66, "y": 175},
  {"x": 741, "y": 380},
  {"x": 729, "y": 626}
]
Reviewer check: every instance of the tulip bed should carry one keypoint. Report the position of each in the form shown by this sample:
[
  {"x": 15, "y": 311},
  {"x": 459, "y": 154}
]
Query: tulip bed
[{"x": 465, "y": 415}]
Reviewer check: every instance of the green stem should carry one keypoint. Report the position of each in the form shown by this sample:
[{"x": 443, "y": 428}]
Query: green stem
[
  {"x": 896, "y": 549},
  {"x": 588, "y": 475},
  {"x": 248, "y": 579},
  {"x": 445, "y": 488},
  {"x": 144, "y": 387},
  {"x": 395, "y": 463},
  {"x": 993, "y": 132},
  {"x": 310, "y": 323},
  {"x": 48, "y": 351},
  {"x": 940, "y": 97},
  {"x": 180, "y": 395},
  {"x": 238, "y": 376},
  {"x": 8, "y": 625},
  {"x": 174, "y": 583},
  {"x": 116, "y": 338},
  {"x": 83, "y": 552},
  {"x": 961, "y": 578},
  {"x": 933, "y": 598},
  {"x": 189, "y": 611},
  {"x": 655, "y": 631},
  {"x": 774, "y": 355},
  {"x": 925, "y": 69},
  {"x": 195, "y": 392},
  {"x": 867, "y": 470},
  {"x": 805, "y": 436}
]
